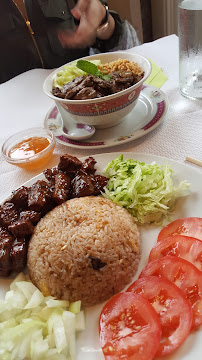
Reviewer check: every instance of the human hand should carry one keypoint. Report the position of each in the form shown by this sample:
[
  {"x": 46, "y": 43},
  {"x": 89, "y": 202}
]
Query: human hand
[{"x": 90, "y": 14}]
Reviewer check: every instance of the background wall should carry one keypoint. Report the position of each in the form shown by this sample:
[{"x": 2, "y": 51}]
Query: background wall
[
  {"x": 129, "y": 10},
  {"x": 164, "y": 17},
  {"x": 146, "y": 14},
  {"x": 138, "y": 13},
  {"x": 152, "y": 19}
]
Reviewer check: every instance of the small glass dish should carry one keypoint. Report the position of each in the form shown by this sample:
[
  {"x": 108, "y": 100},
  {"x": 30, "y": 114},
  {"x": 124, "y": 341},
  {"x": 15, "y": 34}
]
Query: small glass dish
[{"x": 23, "y": 148}]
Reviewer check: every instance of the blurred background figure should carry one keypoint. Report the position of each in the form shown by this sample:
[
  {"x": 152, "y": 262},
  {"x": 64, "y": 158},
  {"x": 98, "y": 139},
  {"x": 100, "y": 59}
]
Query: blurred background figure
[{"x": 49, "y": 33}]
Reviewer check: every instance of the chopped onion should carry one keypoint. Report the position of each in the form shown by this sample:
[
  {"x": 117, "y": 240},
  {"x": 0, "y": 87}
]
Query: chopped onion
[{"x": 36, "y": 327}]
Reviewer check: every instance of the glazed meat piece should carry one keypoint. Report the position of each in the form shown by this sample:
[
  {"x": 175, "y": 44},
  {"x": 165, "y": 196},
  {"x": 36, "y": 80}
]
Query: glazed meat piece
[
  {"x": 120, "y": 81},
  {"x": 50, "y": 174},
  {"x": 18, "y": 254},
  {"x": 101, "y": 83},
  {"x": 8, "y": 214},
  {"x": 124, "y": 77},
  {"x": 86, "y": 93},
  {"x": 88, "y": 81},
  {"x": 116, "y": 87},
  {"x": 62, "y": 187},
  {"x": 82, "y": 185},
  {"x": 90, "y": 88},
  {"x": 39, "y": 197},
  {"x": 69, "y": 89},
  {"x": 73, "y": 90},
  {"x": 70, "y": 93},
  {"x": 6, "y": 241},
  {"x": 100, "y": 182},
  {"x": 19, "y": 197},
  {"x": 69, "y": 165},
  {"x": 21, "y": 228},
  {"x": 31, "y": 215},
  {"x": 102, "y": 87},
  {"x": 88, "y": 165},
  {"x": 137, "y": 78}
]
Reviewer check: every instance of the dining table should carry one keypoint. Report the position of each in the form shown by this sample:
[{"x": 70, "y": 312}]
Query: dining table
[
  {"x": 176, "y": 139},
  {"x": 23, "y": 104}
]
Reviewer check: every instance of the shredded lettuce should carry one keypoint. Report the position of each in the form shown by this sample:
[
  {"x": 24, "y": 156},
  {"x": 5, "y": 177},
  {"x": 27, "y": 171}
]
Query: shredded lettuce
[
  {"x": 37, "y": 327},
  {"x": 69, "y": 73},
  {"x": 147, "y": 191}
]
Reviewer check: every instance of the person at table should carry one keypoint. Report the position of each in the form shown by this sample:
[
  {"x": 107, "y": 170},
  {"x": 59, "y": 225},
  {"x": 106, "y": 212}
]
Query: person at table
[{"x": 50, "y": 33}]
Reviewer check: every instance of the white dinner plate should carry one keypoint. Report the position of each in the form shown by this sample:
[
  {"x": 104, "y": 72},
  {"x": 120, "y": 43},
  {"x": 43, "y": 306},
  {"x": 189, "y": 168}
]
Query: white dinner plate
[
  {"x": 88, "y": 347},
  {"x": 148, "y": 113}
]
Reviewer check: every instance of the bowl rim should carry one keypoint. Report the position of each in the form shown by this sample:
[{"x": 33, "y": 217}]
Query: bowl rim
[
  {"x": 30, "y": 158},
  {"x": 104, "y": 98}
]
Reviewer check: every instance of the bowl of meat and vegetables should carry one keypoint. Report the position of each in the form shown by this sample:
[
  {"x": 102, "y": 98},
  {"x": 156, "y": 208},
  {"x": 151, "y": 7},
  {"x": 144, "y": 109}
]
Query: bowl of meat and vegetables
[{"x": 99, "y": 90}]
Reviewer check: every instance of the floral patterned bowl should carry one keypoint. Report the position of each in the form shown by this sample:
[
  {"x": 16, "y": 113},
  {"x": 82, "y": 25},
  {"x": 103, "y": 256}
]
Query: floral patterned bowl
[{"x": 106, "y": 111}]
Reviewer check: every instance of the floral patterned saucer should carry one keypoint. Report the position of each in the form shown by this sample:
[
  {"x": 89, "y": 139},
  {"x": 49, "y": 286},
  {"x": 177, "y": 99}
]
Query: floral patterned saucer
[{"x": 149, "y": 112}]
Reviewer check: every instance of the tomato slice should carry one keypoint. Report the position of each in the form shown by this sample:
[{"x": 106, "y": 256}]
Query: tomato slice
[
  {"x": 128, "y": 323},
  {"x": 190, "y": 226},
  {"x": 172, "y": 307},
  {"x": 185, "y": 247},
  {"x": 183, "y": 274}
]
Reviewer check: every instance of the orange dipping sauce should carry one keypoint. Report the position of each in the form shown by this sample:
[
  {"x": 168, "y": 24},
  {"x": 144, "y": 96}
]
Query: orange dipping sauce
[{"x": 28, "y": 147}]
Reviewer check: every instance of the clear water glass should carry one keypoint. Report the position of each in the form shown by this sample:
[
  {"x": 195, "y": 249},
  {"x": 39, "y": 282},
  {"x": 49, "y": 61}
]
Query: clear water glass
[{"x": 190, "y": 48}]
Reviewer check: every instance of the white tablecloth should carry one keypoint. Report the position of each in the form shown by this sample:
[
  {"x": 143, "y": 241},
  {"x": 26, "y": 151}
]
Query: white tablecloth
[{"x": 23, "y": 104}]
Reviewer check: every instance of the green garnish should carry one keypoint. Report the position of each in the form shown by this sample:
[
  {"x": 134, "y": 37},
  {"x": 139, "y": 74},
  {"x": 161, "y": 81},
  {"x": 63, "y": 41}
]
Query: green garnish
[{"x": 92, "y": 69}]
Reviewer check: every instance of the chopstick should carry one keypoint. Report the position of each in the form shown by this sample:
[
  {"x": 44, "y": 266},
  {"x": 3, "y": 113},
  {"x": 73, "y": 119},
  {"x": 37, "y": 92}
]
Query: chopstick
[{"x": 193, "y": 161}]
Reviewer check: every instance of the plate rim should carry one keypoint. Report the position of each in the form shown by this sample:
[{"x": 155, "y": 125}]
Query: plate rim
[{"x": 151, "y": 157}]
